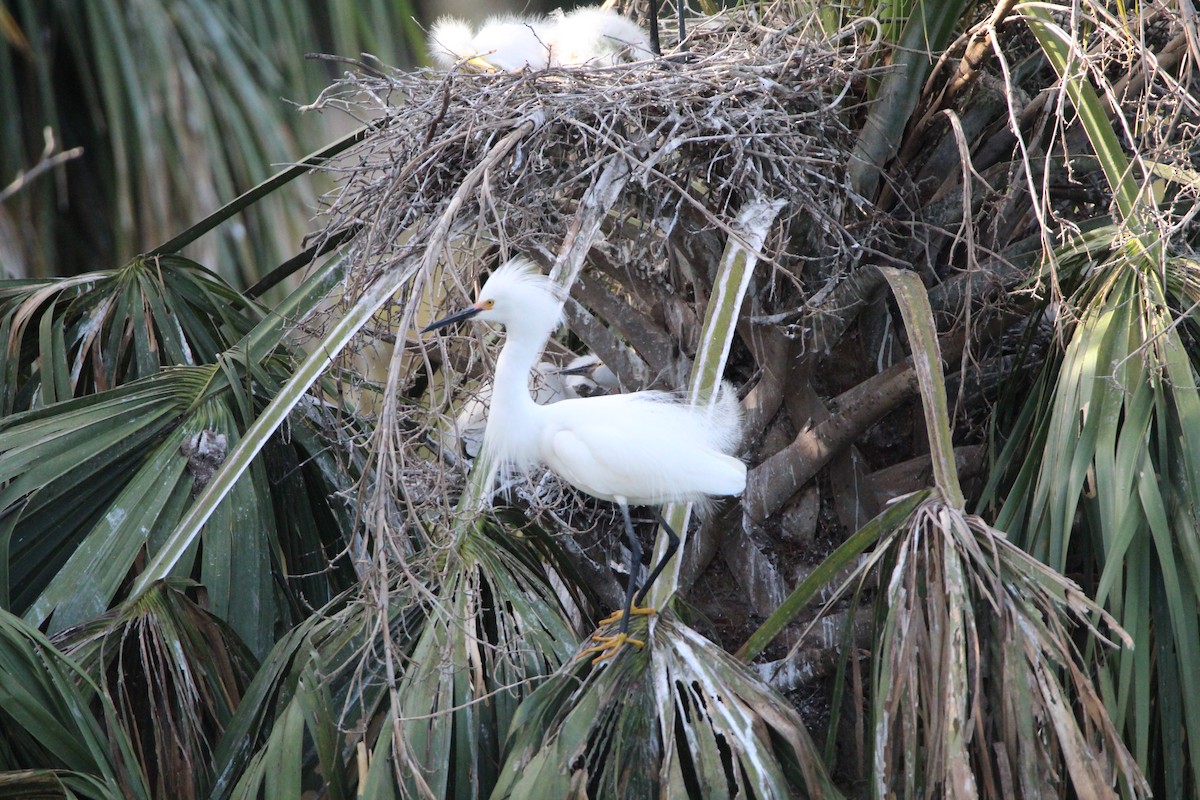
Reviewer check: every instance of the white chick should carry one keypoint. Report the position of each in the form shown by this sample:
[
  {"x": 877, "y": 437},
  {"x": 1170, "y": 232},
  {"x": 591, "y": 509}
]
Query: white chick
[
  {"x": 597, "y": 37},
  {"x": 450, "y": 42},
  {"x": 587, "y": 375},
  {"x": 505, "y": 43},
  {"x": 512, "y": 43},
  {"x": 591, "y": 35}
]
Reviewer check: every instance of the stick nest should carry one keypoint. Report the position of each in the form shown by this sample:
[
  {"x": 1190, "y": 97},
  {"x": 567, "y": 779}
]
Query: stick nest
[{"x": 753, "y": 109}]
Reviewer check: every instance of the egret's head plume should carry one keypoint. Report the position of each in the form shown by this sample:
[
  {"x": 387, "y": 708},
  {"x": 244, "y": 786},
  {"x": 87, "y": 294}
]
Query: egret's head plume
[{"x": 518, "y": 295}]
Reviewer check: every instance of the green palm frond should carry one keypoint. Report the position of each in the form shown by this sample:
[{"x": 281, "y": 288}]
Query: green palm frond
[
  {"x": 920, "y": 33},
  {"x": 174, "y": 673},
  {"x": 429, "y": 700},
  {"x": 71, "y": 337},
  {"x": 497, "y": 629},
  {"x": 60, "y": 729},
  {"x": 288, "y": 728},
  {"x": 1108, "y": 483},
  {"x": 1112, "y": 441},
  {"x": 179, "y": 106},
  {"x": 91, "y": 484},
  {"x": 680, "y": 718}
]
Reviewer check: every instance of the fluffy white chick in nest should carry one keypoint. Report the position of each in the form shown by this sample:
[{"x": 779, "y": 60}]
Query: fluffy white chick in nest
[
  {"x": 597, "y": 37},
  {"x": 505, "y": 43},
  {"x": 591, "y": 35}
]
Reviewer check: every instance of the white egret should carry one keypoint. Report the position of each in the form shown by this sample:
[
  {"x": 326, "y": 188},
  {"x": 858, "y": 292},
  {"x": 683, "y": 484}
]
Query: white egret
[
  {"x": 549, "y": 385},
  {"x": 640, "y": 449}
]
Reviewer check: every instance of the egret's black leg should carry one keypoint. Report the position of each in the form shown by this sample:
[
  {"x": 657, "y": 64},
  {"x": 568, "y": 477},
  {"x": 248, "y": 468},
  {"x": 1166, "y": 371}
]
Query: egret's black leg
[
  {"x": 635, "y": 565},
  {"x": 672, "y": 546},
  {"x": 654, "y": 48},
  {"x": 607, "y": 647}
]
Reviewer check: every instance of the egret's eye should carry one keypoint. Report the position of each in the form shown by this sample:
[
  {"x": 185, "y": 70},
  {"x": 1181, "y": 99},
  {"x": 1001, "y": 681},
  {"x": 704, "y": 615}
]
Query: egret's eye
[{"x": 489, "y": 304}]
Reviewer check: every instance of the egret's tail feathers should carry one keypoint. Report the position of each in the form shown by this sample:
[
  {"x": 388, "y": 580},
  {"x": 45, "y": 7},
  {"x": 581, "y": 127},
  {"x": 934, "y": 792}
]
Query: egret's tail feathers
[{"x": 725, "y": 420}]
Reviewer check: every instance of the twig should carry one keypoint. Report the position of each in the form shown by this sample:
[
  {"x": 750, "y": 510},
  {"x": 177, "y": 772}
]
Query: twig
[{"x": 47, "y": 161}]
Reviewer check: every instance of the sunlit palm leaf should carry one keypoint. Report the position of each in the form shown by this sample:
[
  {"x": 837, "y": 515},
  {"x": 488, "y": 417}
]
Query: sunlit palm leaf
[
  {"x": 680, "y": 718},
  {"x": 429, "y": 701},
  {"x": 286, "y": 708},
  {"x": 497, "y": 629}
]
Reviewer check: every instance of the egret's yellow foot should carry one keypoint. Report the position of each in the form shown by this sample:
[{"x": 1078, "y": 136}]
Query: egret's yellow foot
[
  {"x": 644, "y": 611},
  {"x": 607, "y": 647}
]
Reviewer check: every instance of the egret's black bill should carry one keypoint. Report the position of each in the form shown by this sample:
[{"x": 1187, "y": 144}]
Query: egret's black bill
[{"x": 459, "y": 316}]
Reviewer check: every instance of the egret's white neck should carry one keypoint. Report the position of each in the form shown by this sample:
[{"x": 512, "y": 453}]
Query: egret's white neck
[
  {"x": 521, "y": 350},
  {"x": 512, "y": 431}
]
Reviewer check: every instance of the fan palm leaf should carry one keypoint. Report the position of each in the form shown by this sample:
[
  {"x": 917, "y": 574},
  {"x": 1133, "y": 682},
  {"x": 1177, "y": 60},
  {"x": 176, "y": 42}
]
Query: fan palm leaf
[
  {"x": 91, "y": 484},
  {"x": 977, "y": 639},
  {"x": 1108, "y": 475},
  {"x": 60, "y": 728},
  {"x": 70, "y": 337},
  {"x": 680, "y": 718},
  {"x": 174, "y": 673}
]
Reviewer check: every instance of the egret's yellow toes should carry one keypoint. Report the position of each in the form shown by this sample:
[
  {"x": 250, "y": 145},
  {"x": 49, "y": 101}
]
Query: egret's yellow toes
[
  {"x": 607, "y": 647},
  {"x": 644, "y": 611}
]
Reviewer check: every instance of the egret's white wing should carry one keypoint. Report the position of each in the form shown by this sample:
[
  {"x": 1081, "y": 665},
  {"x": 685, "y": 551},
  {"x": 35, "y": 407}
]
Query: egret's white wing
[{"x": 644, "y": 449}]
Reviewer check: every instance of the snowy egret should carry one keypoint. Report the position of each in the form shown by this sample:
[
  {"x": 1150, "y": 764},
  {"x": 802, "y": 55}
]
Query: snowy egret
[
  {"x": 639, "y": 449},
  {"x": 588, "y": 35}
]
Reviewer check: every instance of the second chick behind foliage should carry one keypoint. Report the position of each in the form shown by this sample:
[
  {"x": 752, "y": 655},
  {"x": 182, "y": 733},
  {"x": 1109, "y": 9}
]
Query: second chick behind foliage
[{"x": 586, "y": 36}]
